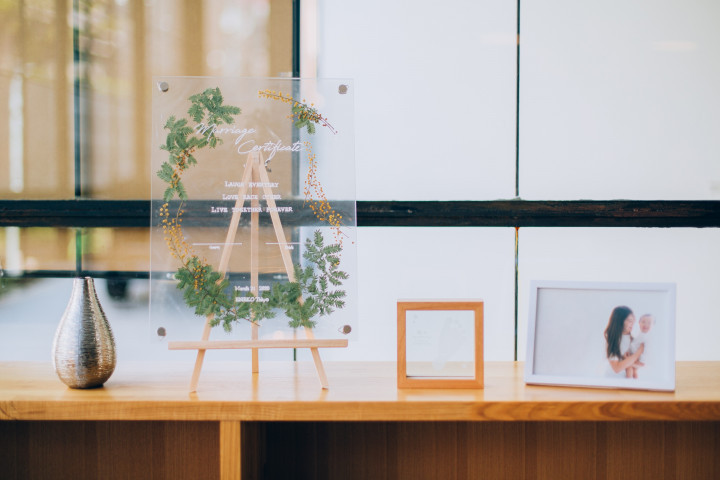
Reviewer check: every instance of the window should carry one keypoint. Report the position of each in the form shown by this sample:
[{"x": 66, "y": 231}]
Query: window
[{"x": 75, "y": 81}]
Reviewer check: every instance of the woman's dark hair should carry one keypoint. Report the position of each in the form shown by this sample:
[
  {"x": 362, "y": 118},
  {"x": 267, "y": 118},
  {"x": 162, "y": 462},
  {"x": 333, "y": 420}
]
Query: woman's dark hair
[{"x": 614, "y": 330}]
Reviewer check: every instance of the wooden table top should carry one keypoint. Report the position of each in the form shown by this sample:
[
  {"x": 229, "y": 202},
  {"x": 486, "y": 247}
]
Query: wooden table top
[{"x": 358, "y": 392}]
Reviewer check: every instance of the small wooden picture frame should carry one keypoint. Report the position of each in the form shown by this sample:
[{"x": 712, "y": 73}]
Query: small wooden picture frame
[{"x": 440, "y": 344}]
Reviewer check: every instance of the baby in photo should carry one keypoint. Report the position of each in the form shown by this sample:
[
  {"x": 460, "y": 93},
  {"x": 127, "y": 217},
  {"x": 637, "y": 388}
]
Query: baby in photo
[{"x": 645, "y": 324}]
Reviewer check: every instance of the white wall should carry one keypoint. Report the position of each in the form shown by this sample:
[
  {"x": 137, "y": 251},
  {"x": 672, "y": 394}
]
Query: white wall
[
  {"x": 435, "y": 94},
  {"x": 435, "y": 120},
  {"x": 617, "y": 100}
]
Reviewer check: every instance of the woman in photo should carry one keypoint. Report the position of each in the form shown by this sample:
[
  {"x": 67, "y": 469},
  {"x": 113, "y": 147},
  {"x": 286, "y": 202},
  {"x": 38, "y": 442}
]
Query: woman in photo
[{"x": 618, "y": 338}]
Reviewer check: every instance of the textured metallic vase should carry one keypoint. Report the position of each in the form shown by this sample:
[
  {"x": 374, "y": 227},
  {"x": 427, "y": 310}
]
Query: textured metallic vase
[{"x": 84, "y": 347}]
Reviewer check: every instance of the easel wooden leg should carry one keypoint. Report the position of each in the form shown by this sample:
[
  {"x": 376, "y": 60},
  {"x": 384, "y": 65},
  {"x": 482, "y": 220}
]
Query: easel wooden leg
[
  {"x": 222, "y": 268},
  {"x": 200, "y": 356},
  {"x": 320, "y": 368},
  {"x": 255, "y": 253},
  {"x": 256, "y": 173},
  {"x": 277, "y": 225},
  {"x": 318, "y": 362},
  {"x": 196, "y": 372}
]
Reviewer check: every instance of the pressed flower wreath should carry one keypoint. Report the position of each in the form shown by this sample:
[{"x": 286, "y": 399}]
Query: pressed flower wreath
[{"x": 315, "y": 290}]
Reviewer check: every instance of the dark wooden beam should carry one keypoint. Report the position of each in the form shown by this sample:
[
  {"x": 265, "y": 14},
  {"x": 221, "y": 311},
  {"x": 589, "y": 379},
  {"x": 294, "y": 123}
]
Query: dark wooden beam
[
  {"x": 495, "y": 213},
  {"x": 523, "y": 213}
]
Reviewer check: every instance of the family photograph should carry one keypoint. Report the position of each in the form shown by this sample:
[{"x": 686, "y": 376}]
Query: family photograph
[{"x": 602, "y": 334}]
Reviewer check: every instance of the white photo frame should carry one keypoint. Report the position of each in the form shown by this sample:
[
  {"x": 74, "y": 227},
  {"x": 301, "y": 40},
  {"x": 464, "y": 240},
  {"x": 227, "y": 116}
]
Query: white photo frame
[{"x": 567, "y": 345}]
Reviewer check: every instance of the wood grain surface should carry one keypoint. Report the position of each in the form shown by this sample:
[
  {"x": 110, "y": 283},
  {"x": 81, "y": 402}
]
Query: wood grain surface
[
  {"x": 242, "y": 426},
  {"x": 358, "y": 392},
  {"x": 496, "y": 450},
  {"x": 109, "y": 450}
]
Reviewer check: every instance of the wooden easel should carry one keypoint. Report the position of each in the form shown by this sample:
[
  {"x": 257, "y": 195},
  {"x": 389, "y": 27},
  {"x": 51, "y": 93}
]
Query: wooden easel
[{"x": 256, "y": 173}]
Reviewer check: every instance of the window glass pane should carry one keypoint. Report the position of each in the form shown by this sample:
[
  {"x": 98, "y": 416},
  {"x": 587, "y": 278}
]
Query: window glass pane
[
  {"x": 121, "y": 45},
  {"x": 686, "y": 257},
  {"x": 36, "y": 100},
  {"x": 33, "y": 249},
  {"x": 435, "y": 102},
  {"x": 620, "y": 100},
  {"x": 116, "y": 249},
  {"x": 128, "y": 42},
  {"x": 28, "y": 325}
]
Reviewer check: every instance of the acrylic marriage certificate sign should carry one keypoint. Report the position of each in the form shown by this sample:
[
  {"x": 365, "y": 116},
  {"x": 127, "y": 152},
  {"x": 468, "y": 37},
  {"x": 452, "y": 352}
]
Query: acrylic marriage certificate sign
[{"x": 253, "y": 205}]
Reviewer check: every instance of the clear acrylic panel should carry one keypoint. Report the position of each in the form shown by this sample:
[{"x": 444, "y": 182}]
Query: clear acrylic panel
[
  {"x": 619, "y": 101},
  {"x": 36, "y": 105},
  {"x": 440, "y": 343},
  {"x": 28, "y": 249},
  {"x": 116, "y": 249},
  {"x": 253, "y": 201}
]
